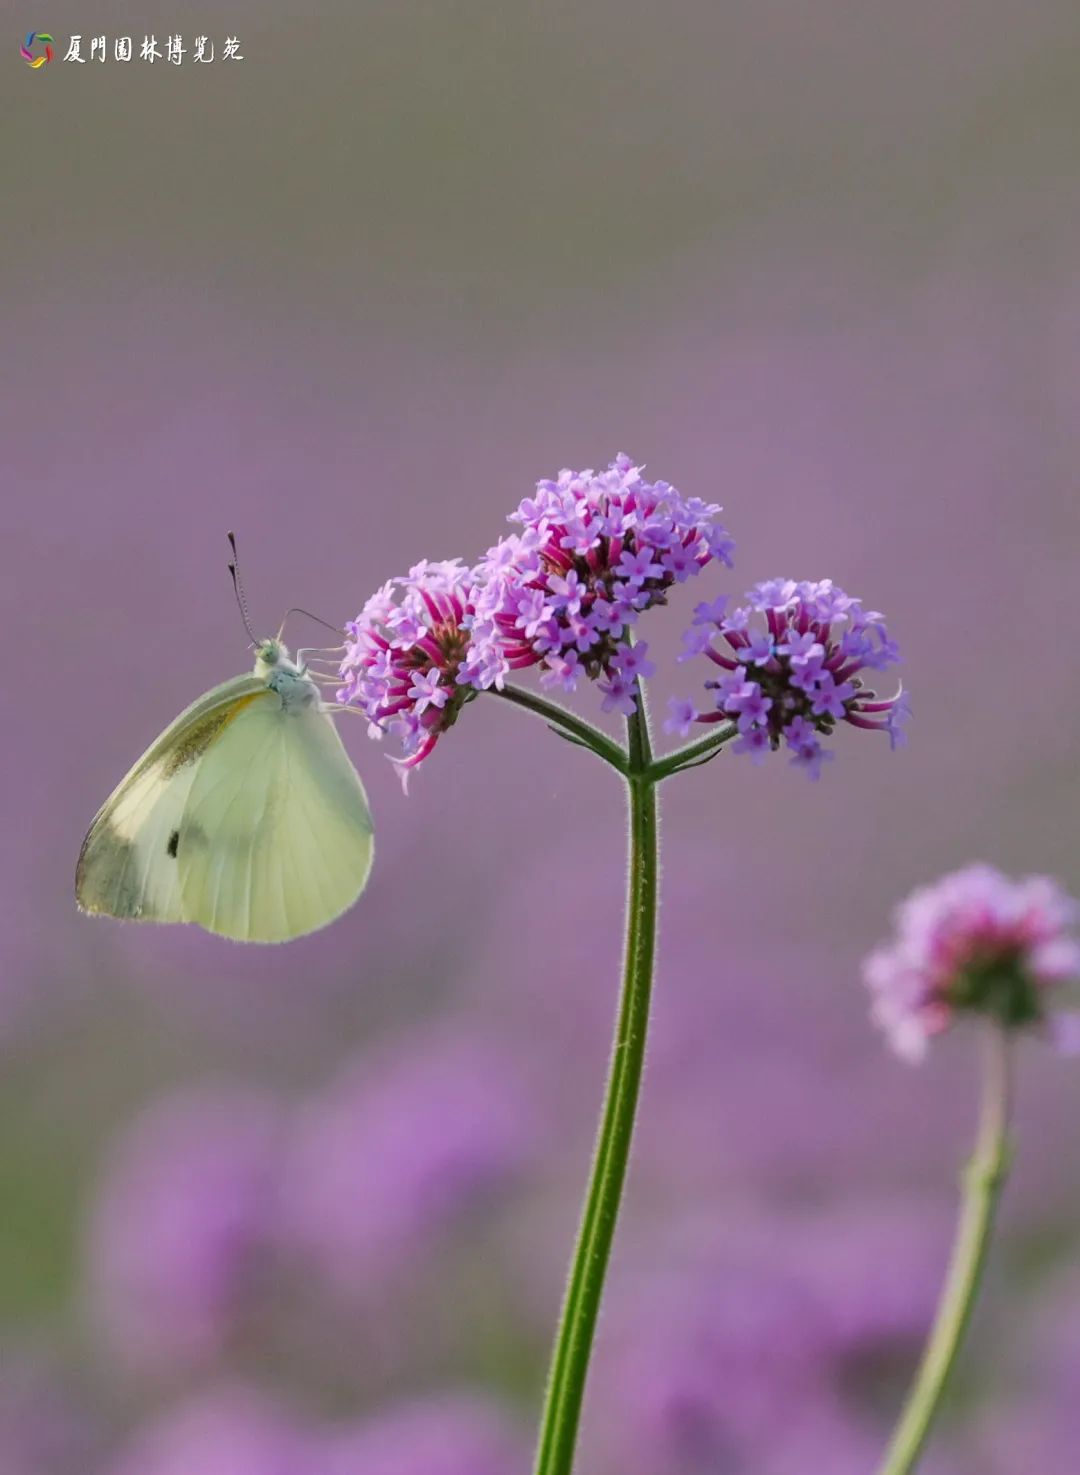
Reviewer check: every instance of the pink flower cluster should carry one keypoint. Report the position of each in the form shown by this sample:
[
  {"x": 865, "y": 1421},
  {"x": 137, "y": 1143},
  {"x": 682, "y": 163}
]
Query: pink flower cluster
[
  {"x": 596, "y": 550},
  {"x": 976, "y": 942},
  {"x": 406, "y": 659}
]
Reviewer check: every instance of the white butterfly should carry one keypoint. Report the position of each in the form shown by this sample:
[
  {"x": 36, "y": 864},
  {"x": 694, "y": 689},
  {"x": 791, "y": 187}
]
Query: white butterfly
[{"x": 245, "y": 817}]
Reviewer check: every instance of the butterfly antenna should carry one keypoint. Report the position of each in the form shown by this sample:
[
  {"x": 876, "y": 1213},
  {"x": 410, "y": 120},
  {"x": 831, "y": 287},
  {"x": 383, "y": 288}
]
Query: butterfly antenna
[
  {"x": 238, "y": 589},
  {"x": 296, "y": 610}
]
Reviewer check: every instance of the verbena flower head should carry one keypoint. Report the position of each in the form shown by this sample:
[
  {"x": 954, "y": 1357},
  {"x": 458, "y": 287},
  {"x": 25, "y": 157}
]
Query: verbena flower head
[
  {"x": 405, "y": 660},
  {"x": 981, "y": 943},
  {"x": 596, "y": 550},
  {"x": 793, "y": 659}
]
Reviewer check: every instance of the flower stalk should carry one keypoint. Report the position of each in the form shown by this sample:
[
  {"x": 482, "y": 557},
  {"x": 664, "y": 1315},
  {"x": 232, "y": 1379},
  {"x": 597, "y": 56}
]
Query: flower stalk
[
  {"x": 983, "y": 1182},
  {"x": 577, "y": 1323},
  {"x": 693, "y": 754},
  {"x": 561, "y": 720}
]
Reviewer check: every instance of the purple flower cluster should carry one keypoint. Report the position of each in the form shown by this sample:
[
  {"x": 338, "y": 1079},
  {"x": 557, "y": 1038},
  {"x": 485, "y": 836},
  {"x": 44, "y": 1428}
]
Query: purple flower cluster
[
  {"x": 406, "y": 659},
  {"x": 979, "y": 942},
  {"x": 792, "y": 674},
  {"x": 597, "y": 549}
]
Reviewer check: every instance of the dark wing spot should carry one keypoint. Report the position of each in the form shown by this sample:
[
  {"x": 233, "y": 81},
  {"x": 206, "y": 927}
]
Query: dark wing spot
[{"x": 174, "y": 841}]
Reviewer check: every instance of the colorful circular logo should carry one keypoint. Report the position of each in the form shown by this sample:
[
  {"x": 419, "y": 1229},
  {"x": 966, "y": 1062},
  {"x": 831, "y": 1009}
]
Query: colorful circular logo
[{"x": 26, "y": 50}]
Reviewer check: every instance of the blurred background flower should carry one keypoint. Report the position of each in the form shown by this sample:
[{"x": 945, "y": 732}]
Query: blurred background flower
[
  {"x": 182, "y": 1227},
  {"x": 410, "y": 1145},
  {"x": 817, "y": 264},
  {"x": 233, "y": 1430},
  {"x": 449, "y": 1435}
]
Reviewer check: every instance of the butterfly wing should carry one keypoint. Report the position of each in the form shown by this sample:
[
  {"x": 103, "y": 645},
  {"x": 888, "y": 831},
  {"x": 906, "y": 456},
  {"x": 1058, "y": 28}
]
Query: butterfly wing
[
  {"x": 127, "y": 863},
  {"x": 275, "y": 839}
]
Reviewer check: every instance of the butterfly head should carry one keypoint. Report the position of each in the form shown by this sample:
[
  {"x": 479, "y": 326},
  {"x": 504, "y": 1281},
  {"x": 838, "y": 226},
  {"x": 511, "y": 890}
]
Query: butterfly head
[
  {"x": 271, "y": 656},
  {"x": 294, "y": 686}
]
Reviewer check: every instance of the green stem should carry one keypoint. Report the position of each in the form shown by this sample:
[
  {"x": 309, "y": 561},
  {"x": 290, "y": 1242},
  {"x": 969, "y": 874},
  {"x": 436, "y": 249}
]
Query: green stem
[
  {"x": 983, "y": 1183},
  {"x": 577, "y": 1324},
  {"x": 692, "y": 753},
  {"x": 566, "y": 724}
]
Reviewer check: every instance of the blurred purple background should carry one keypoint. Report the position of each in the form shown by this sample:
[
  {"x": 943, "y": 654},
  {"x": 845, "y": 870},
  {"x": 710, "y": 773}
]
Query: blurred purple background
[{"x": 306, "y": 1211}]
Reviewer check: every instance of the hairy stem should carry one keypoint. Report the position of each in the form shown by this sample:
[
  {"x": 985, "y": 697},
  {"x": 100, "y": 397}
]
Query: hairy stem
[
  {"x": 693, "y": 753},
  {"x": 567, "y": 724},
  {"x": 983, "y": 1182},
  {"x": 577, "y": 1324}
]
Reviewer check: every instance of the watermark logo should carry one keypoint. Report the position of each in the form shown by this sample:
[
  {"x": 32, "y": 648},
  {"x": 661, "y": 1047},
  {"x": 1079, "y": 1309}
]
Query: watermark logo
[
  {"x": 174, "y": 50},
  {"x": 26, "y": 50}
]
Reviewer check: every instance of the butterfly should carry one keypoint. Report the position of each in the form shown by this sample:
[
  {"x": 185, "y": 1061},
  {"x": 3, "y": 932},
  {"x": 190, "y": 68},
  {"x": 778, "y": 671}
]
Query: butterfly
[{"x": 245, "y": 817}]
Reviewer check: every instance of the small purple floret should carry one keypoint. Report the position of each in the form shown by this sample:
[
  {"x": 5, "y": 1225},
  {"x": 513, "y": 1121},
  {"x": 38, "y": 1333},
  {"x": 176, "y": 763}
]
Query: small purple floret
[{"x": 682, "y": 718}]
